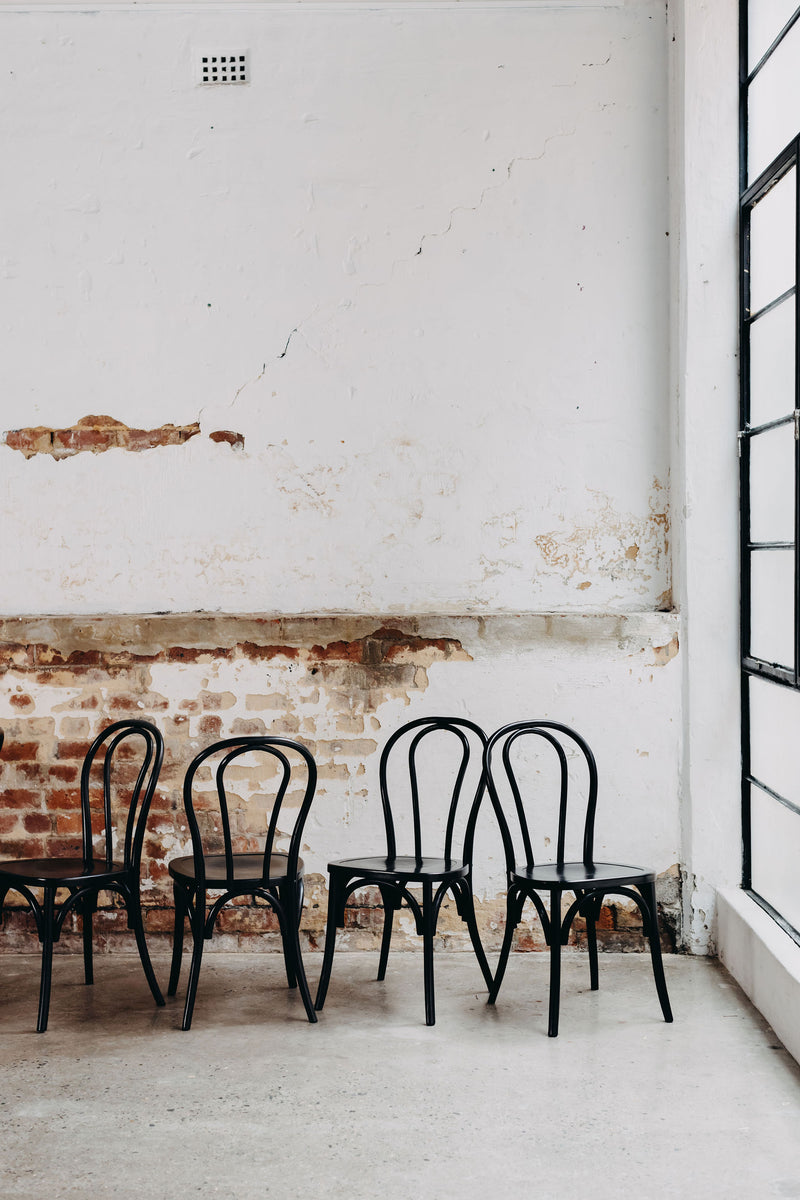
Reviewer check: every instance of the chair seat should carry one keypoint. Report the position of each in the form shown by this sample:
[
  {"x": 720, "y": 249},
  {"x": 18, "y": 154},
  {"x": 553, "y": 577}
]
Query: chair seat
[
  {"x": 402, "y": 867},
  {"x": 41, "y": 872},
  {"x": 578, "y": 874},
  {"x": 247, "y": 869}
]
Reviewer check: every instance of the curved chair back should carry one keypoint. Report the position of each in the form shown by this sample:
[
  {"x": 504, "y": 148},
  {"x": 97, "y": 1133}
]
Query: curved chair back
[
  {"x": 465, "y": 743},
  {"x": 108, "y": 766},
  {"x": 566, "y": 745},
  {"x": 289, "y": 756}
]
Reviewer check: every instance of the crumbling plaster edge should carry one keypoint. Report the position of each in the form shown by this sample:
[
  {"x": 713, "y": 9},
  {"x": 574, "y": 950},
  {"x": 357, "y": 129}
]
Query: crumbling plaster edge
[{"x": 209, "y": 630}]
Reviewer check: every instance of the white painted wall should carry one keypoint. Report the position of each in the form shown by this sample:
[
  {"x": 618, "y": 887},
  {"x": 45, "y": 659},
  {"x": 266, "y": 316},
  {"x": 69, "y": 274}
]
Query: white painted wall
[{"x": 420, "y": 262}]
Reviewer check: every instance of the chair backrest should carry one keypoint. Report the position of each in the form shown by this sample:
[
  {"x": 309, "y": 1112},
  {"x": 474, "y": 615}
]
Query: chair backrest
[
  {"x": 573, "y": 758},
  {"x": 125, "y": 754},
  {"x": 460, "y": 742},
  {"x": 290, "y": 757}
]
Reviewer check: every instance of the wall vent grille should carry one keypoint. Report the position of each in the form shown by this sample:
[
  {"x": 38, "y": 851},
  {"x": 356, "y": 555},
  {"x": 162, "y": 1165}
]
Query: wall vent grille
[{"x": 228, "y": 66}]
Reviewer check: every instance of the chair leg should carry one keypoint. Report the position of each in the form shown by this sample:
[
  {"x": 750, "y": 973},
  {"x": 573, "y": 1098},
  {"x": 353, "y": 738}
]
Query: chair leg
[
  {"x": 330, "y": 943},
  {"x": 592, "y": 913},
  {"x": 293, "y": 937},
  {"x": 136, "y": 922},
  {"x": 181, "y": 908},
  {"x": 197, "y": 921},
  {"x": 288, "y": 913},
  {"x": 87, "y": 912},
  {"x": 505, "y": 949},
  {"x": 475, "y": 937},
  {"x": 46, "y": 935},
  {"x": 649, "y": 892},
  {"x": 388, "y": 921},
  {"x": 428, "y": 930},
  {"x": 555, "y": 962}
]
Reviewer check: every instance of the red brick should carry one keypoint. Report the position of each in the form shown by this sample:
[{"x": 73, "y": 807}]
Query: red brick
[
  {"x": 247, "y": 920},
  {"x": 18, "y": 798},
  {"x": 37, "y": 822},
  {"x": 77, "y": 750},
  {"x": 161, "y": 803},
  {"x": 177, "y": 726},
  {"x": 22, "y": 702},
  {"x": 69, "y": 823},
  {"x": 63, "y": 799},
  {"x": 210, "y": 726},
  {"x": 64, "y": 847},
  {"x": 8, "y": 821},
  {"x": 30, "y": 847},
  {"x": 89, "y": 701},
  {"x": 125, "y": 703},
  {"x": 49, "y": 656},
  {"x": 253, "y": 727},
  {"x": 158, "y": 870},
  {"x": 191, "y": 654},
  {"x": 159, "y": 920},
  {"x": 339, "y": 652},
  {"x": 63, "y": 772},
  {"x": 19, "y": 751},
  {"x": 33, "y": 772},
  {"x": 214, "y": 701}
]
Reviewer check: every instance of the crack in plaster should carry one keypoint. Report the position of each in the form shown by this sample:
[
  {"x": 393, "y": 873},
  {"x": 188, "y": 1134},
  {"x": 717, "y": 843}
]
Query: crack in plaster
[
  {"x": 286, "y": 347},
  {"x": 492, "y": 187},
  {"x": 297, "y": 329}
]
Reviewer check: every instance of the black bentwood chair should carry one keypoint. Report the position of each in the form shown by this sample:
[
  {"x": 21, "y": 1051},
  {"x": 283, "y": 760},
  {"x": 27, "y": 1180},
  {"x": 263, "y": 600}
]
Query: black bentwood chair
[
  {"x": 98, "y": 869},
  {"x": 393, "y": 873},
  {"x": 588, "y": 880},
  {"x": 273, "y": 875}
]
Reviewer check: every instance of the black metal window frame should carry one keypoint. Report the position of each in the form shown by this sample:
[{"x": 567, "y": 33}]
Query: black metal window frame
[{"x": 753, "y": 667}]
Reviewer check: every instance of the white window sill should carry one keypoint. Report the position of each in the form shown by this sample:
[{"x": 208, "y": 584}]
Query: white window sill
[{"x": 763, "y": 960}]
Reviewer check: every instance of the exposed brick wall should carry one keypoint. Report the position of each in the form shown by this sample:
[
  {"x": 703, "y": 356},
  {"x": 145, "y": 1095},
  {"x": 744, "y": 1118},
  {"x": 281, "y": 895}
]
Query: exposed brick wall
[
  {"x": 96, "y": 434},
  {"x": 329, "y": 682}
]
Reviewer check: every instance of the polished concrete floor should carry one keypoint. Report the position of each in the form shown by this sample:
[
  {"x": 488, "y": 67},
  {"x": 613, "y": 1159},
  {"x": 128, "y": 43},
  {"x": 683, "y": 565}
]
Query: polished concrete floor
[{"x": 253, "y": 1102}]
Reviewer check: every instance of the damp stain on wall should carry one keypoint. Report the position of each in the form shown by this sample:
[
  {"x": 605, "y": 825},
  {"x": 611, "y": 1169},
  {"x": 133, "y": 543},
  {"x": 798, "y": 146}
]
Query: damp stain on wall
[{"x": 610, "y": 544}]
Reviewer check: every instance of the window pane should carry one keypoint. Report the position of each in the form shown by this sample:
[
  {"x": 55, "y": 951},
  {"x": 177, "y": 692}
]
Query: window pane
[
  {"x": 774, "y": 744},
  {"x": 775, "y": 853},
  {"x": 774, "y": 105},
  {"x": 772, "y": 242},
  {"x": 772, "y": 364},
  {"x": 772, "y": 485},
  {"x": 766, "y": 19},
  {"x": 772, "y": 606}
]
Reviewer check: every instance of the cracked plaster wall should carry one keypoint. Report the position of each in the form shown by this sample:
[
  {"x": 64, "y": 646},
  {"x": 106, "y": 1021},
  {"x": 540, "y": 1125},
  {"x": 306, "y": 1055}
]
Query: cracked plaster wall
[
  {"x": 415, "y": 275},
  {"x": 418, "y": 266}
]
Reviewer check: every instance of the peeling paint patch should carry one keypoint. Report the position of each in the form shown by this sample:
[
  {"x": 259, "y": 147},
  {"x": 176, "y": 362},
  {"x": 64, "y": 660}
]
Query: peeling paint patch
[
  {"x": 612, "y": 545},
  {"x": 665, "y": 654},
  {"x": 95, "y": 435},
  {"x": 234, "y": 440}
]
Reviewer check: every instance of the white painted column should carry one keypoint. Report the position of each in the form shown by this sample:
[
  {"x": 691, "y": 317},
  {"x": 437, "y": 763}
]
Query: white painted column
[{"x": 705, "y": 484}]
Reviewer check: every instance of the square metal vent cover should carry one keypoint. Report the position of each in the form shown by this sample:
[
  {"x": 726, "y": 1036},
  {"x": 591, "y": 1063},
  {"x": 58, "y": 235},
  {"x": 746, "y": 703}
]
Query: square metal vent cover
[{"x": 223, "y": 66}]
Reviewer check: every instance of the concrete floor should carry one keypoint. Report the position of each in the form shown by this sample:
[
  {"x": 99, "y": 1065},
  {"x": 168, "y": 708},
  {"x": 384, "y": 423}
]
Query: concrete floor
[{"x": 114, "y": 1101}]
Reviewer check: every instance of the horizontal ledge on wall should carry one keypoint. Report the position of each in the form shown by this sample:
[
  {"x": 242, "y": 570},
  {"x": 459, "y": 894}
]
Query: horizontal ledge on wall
[
  {"x": 303, "y": 5},
  {"x": 32, "y": 642}
]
